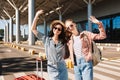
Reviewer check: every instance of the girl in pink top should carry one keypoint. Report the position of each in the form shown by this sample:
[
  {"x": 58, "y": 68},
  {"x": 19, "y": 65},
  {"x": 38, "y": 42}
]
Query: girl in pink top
[{"x": 83, "y": 58}]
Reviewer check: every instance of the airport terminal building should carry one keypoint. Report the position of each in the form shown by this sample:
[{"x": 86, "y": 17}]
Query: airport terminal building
[{"x": 21, "y": 12}]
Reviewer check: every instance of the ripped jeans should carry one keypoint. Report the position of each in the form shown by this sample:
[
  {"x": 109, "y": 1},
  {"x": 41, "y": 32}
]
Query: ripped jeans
[{"x": 83, "y": 70}]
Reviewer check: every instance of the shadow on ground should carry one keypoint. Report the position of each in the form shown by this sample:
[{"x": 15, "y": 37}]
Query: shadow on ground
[{"x": 19, "y": 64}]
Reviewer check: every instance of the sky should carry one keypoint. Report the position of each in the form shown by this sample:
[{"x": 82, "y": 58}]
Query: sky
[
  {"x": 2, "y": 24},
  {"x": 22, "y": 27}
]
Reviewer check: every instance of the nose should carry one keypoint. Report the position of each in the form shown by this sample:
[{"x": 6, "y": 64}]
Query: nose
[{"x": 70, "y": 27}]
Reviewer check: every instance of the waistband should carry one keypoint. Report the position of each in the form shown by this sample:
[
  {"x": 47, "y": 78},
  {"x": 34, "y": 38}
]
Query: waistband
[{"x": 55, "y": 62}]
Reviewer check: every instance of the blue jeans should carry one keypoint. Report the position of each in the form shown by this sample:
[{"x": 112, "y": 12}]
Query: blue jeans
[
  {"x": 83, "y": 70},
  {"x": 57, "y": 71}
]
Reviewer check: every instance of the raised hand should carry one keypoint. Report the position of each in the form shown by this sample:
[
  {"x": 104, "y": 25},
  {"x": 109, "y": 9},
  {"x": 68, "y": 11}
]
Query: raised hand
[
  {"x": 94, "y": 20},
  {"x": 39, "y": 12}
]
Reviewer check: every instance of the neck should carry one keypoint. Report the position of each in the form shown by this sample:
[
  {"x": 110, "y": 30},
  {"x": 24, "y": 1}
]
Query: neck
[
  {"x": 55, "y": 37},
  {"x": 75, "y": 33}
]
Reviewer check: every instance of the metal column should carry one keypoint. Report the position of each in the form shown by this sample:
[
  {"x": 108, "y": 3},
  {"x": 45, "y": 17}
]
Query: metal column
[
  {"x": 17, "y": 27},
  {"x": 89, "y": 3},
  {"x": 7, "y": 32},
  {"x": 4, "y": 34},
  {"x": 23, "y": 32},
  {"x": 17, "y": 21},
  {"x": 89, "y": 14},
  {"x": 60, "y": 16},
  {"x": 11, "y": 31},
  {"x": 45, "y": 27},
  {"x": 31, "y": 39}
]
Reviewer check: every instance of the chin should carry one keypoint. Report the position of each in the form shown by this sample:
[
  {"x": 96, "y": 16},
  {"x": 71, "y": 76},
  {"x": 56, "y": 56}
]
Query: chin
[{"x": 56, "y": 34}]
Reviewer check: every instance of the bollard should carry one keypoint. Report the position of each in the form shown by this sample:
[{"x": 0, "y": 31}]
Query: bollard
[
  {"x": 101, "y": 47},
  {"x": 109, "y": 44},
  {"x": 66, "y": 63},
  {"x": 22, "y": 48},
  {"x": 43, "y": 55},
  {"x": 69, "y": 63},
  {"x": 118, "y": 49},
  {"x": 106, "y": 44},
  {"x": 14, "y": 45},
  {"x": 31, "y": 51},
  {"x": 118, "y": 45},
  {"x": 17, "y": 47}
]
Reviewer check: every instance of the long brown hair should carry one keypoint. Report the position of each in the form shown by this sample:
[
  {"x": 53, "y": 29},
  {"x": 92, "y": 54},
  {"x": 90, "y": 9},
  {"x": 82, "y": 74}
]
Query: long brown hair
[{"x": 62, "y": 37}]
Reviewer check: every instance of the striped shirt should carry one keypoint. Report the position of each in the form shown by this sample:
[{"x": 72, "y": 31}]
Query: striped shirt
[{"x": 77, "y": 46}]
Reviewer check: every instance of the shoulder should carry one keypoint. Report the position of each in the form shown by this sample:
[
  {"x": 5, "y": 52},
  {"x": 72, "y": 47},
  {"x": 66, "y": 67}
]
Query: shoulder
[
  {"x": 89, "y": 34},
  {"x": 86, "y": 32},
  {"x": 46, "y": 39}
]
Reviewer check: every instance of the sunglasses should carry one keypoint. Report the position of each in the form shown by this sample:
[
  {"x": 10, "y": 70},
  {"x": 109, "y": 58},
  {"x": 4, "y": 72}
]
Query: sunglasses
[
  {"x": 68, "y": 28},
  {"x": 57, "y": 29}
]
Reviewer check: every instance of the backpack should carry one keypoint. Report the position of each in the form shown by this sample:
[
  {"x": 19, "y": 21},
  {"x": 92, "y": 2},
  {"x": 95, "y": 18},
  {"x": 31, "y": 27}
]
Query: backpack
[{"x": 96, "y": 54}]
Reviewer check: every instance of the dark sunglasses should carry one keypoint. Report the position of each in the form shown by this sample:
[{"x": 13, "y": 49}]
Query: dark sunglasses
[{"x": 57, "y": 29}]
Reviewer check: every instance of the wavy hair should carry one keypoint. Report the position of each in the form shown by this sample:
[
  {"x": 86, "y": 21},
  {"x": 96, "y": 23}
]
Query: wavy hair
[{"x": 62, "y": 36}]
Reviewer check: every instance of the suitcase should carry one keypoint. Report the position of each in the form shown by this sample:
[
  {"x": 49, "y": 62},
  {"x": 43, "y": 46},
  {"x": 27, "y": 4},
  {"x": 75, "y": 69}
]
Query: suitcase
[
  {"x": 0, "y": 68},
  {"x": 33, "y": 76}
]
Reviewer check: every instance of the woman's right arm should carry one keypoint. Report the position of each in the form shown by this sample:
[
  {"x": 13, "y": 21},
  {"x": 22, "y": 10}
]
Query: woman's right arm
[{"x": 34, "y": 24}]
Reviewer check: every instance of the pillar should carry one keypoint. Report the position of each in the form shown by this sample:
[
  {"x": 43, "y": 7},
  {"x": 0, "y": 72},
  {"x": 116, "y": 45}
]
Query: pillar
[
  {"x": 89, "y": 14},
  {"x": 17, "y": 27},
  {"x": 11, "y": 31},
  {"x": 60, "y": 16},
  {"x": 45, "y": 27},
  {"x": 31, "y": 38}
]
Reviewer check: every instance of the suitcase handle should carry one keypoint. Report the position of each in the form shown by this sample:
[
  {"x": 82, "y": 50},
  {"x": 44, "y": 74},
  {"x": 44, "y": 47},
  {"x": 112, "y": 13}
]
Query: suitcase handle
[{"x": 37, "y": 68}]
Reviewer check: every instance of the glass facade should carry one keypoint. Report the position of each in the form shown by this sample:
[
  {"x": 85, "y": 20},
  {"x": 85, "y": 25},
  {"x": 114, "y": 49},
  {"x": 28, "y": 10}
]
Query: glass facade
[{"x": 112, "y": 28}]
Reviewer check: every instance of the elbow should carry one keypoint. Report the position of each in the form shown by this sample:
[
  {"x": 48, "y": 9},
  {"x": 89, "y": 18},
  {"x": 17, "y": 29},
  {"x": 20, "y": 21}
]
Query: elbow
[
  {"x": 34, "y": 32},
  {"x": 103, "y": 36}
]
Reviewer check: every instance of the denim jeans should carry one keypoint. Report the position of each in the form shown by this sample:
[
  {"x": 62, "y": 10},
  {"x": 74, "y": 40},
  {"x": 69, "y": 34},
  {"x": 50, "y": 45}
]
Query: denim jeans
[
  {"x": 57, "y": 71},
  {"x": 83, "y": 70}
]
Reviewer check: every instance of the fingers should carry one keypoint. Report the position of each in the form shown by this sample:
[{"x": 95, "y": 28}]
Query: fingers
[
  {"x": 39, "y": 12},
  {"x": 91, "y": 18}
]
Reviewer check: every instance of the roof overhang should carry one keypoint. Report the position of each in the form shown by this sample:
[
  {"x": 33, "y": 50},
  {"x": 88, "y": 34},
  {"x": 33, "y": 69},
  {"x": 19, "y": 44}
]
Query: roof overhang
[{"x": 52, "y": 8}]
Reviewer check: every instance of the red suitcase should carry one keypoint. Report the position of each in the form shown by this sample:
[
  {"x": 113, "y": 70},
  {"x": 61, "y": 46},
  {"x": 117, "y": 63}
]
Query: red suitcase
[{"x": 33, "y": 76}]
